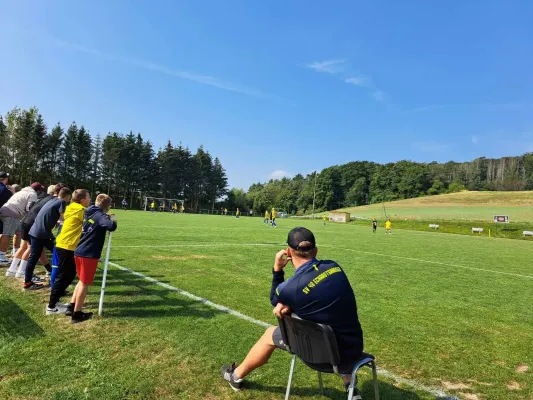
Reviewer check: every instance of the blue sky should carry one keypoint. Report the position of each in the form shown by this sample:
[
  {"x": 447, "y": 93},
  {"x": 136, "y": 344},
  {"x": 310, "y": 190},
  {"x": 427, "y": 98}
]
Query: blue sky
[{"x": 278, "y": 87}]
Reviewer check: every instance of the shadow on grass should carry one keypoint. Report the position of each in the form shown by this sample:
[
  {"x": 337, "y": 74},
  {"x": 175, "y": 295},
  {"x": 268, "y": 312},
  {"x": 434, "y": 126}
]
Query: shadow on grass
[
  {"x": 386, "y": 391},
  {"x": 148, "y": 300},
  {"x": 15, "y": 323}
]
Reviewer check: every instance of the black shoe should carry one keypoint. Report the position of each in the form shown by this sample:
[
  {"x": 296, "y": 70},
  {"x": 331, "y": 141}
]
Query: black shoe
[
  {"x": 33, "y": 286},
  {"x": 80, "y": 316},
  {"x": 70, "y": 310},
  {"x": 227, "y": 375}
]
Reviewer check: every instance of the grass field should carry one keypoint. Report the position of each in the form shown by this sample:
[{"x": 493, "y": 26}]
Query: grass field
[
  {"x": 446, "y": 311},
  {"x": 474, "y": 206}
]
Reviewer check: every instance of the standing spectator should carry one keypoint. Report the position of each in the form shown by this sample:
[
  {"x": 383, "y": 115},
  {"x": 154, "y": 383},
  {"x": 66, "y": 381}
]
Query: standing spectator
[
  {"x": 23, "y": 253},
  {"x": 41, "y": 235},
  {"x": 97, "y": 223},
  {"x": 13, "y": 211},
  {"x": 66, "y": 243},
  {"x": 5, "y": 191}
]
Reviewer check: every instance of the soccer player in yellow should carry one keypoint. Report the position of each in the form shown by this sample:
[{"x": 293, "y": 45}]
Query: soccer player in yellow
[
  {"x": 324, "y": 218},
  {"x": 237, "y": 213},
  {"x": 388, "y": 226},
  {"x": 273, "y": 216},
  {"x": 174, "y": 208},
  {"x": 267, "y": 217},
  {"x": 152, "y": 206},
  {"x": 182, "y": 208}
]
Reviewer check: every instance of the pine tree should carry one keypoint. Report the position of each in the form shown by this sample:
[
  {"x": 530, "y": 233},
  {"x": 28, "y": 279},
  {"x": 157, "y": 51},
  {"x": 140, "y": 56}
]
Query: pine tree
[
  {"x": 67, "y": 156},
  {"x": 96, "y": 164},
  {"x": 52, "y": 154},
  {"x": 82, "y": 157}
]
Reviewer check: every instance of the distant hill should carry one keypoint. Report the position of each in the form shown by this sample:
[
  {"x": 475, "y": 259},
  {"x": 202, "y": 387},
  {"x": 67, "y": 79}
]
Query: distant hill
[{"x": 465, "y": 205}]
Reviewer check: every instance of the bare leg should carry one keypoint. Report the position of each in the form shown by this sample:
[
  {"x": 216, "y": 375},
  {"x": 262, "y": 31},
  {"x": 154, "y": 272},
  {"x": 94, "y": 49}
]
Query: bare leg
[
  {"x": 44, "y": 259},
  {"x": 16, "y": 241},
  {"x": 4, "y": 242},
  {"x": 76, "y": 289},
  {"x": 81, "y": 294},
  {"x": 258, "y": 355},
  {"x": 22, "y": 249}
]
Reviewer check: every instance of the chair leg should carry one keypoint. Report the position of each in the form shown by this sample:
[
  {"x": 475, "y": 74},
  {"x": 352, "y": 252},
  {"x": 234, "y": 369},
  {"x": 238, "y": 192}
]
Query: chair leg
[
  {"x": 320, "y": 387},
  {"x": 291, "y": 373},
  {"x": 376, "y": 386},
  {"x": 353, "y": 383}
]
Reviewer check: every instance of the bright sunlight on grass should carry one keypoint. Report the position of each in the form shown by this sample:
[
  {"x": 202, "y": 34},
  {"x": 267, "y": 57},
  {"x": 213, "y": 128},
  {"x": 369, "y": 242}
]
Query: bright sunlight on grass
[{"x": 446, "y": 311}]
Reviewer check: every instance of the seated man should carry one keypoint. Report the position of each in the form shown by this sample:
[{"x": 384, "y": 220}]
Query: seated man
[{"x": 320, "y": 292}]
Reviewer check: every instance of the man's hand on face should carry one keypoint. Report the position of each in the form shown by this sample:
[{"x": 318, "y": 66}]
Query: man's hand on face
[
  {"x": 281, "y": 310},
  {"x": 282, "y": 258}
]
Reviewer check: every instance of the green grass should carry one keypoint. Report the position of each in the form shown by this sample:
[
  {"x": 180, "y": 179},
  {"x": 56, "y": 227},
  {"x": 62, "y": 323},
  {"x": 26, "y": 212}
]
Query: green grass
[
  {"x": 447, "y": 311},
  {"x": 512, "y": 230},
  {"x": 473, "y": 206}
]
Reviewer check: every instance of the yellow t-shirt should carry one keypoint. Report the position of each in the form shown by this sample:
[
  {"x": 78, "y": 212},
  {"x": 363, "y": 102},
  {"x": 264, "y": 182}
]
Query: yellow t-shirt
[
  {"x": 70, "y": 234},
  {"x": 388, "y": 225},
  {"x": 152, "y": 205},
  {"x": 324, "y": 218},
  {"x": 237, "y": 212},
  {"x": 273, "y": 213},
  {"x": 267, "y": 215}
]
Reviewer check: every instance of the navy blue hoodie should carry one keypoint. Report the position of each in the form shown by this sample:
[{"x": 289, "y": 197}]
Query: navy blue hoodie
[
  {"x": 320, "y": 292},
  {"x": 95, "y": 226}
]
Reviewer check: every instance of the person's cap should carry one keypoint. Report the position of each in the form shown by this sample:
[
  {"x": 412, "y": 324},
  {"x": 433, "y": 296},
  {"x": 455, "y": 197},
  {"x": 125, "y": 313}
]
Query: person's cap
[
  {"x": 37, "y": 187},
  {"x": 4, "y": 175},
  {"x": 301, "y": 239}
]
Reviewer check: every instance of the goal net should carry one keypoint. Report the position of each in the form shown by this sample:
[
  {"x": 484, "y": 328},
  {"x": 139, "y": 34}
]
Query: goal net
[{"x": 162, "y": 204}]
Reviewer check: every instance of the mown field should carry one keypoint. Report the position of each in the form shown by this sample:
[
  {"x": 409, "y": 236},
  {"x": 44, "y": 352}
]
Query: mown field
[
  {"x": 447, "y": 312},
  {"x": 474, "y": 206}
]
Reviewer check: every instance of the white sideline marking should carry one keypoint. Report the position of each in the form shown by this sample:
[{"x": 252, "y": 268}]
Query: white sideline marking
[
  {"x": 431, "y": 390},
  {"x": 435, "y": 262}
]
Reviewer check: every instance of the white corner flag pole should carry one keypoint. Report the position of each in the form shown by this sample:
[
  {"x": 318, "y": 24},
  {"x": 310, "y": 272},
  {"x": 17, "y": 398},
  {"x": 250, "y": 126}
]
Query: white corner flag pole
[{"x": 106, "y": 264}]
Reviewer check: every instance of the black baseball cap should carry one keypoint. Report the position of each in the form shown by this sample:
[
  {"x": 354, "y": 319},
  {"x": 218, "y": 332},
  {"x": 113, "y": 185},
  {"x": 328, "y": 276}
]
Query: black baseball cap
[
  {"x": 4, "y": 175},
  {"x": 301, "y": 239}
]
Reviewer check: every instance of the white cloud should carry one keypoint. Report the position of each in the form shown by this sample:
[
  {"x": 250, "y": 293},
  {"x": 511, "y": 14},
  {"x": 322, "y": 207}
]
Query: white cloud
[
  {"x": 148, "y": 65},
  {"x": 329, "y": 66},
  {"x": 356, "y": 80},
  {"x": 279, "y": 173},
  {"x": 475, "y": 139},
  {"x": 378, "y": 95},
  {"x": 431, "y": 147}
]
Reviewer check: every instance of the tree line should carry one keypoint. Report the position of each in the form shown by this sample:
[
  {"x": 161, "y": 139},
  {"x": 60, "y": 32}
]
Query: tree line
[
  {"x": 122, "y": 165},
  {"x": 362, "y": 182}
]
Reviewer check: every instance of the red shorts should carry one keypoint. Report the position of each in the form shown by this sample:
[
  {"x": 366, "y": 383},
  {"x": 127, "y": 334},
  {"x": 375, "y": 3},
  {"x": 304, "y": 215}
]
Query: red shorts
[{"x": 86, "y": 269}]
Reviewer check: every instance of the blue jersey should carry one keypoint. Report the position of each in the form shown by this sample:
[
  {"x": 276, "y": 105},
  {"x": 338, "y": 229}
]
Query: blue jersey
[{"x": 320, "y": 292}]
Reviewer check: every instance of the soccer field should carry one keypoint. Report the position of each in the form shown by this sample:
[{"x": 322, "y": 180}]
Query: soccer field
[{"x": 447, "y": 312}]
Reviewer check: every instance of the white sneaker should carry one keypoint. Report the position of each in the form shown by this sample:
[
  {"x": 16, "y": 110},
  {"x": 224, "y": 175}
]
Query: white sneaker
[
  {"x": 10, "y": 274},
  {"x": 4, "y": 260},
  {"x": 58, "y": 309}
]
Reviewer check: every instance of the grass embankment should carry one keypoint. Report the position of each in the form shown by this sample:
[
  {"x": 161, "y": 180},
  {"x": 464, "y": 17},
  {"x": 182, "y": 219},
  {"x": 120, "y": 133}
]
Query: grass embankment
[{"x": 473, "y": 206}]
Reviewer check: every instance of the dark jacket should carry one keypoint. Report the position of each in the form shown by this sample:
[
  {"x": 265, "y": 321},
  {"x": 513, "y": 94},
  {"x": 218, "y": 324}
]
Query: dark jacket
[
  {"x": 320, "y": 292},
  {"x": 42, "y": 199},
  {"x": 95, "y": 226},
  {"x": 5, "y": 194}
]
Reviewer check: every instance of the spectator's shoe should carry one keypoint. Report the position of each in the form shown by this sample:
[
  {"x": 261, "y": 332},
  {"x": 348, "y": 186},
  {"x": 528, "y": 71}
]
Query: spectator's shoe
[
  {"x": 227, "y": 375},
  {"x": 33, "y": 286},
  {"x": 69, "y": 309},
  {"x": 58, "y": 309},
  {"x": 80, "y": 316},
  {"x": 37, "y": 279},
  {"x": 356, "y": 392},
  {"x": 10, "y": 274},
  {"x": 4, "y": 261}
]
